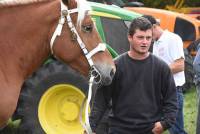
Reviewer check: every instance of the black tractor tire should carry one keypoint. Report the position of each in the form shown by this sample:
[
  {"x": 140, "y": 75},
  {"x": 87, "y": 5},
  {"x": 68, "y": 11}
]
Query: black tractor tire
[
  {"x": 189, "y": 72},
  {"x": 48, "y": 75}
]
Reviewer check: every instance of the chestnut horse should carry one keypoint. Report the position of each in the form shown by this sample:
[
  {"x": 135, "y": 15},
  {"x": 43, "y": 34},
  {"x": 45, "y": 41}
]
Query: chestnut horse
[{"x": 28, "y": 27}]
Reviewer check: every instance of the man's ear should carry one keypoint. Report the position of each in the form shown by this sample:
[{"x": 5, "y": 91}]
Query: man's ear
[{"x": 130, "y": 37}]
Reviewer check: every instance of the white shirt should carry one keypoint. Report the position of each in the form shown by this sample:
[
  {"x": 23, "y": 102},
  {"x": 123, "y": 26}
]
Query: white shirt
[{"x": 169, "y": 47}]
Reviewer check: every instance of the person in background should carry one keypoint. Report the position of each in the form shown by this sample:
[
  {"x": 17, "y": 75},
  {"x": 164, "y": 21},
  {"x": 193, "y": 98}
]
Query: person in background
[
  {"x": 143, "y": 91},
  {"x": 169, "y": 47},
  {"x": 196, "y": 66}
]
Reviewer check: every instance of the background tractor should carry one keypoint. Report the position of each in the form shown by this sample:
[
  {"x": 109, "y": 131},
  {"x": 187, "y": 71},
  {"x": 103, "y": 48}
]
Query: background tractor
[{"x": 186, "y": 7}]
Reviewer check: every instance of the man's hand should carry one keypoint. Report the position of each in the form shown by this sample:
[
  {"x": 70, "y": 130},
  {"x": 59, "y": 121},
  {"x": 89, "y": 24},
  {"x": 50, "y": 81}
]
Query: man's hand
[{"x": 158, "y": 129}]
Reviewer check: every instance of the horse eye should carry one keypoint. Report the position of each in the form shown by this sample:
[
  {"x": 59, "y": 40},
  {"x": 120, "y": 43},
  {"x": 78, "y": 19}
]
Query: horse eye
[{"x": 87, "y": 28}]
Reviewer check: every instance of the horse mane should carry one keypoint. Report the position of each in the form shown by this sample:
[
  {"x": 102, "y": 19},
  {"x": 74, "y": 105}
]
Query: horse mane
[
  {"x": 4, "y": 3},
  {"x": 82, "y": 6}
]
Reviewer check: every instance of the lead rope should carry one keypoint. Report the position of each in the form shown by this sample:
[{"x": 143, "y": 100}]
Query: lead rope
[{"x": 86, "y": 125}]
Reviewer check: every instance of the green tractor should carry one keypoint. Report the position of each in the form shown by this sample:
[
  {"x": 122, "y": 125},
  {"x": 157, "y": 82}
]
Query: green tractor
[{"x": 50, "y": 100}]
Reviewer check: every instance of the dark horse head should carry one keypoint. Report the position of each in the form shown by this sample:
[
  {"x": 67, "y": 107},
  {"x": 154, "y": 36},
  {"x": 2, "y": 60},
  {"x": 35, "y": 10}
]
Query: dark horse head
[{"x": 28, "y": 27}]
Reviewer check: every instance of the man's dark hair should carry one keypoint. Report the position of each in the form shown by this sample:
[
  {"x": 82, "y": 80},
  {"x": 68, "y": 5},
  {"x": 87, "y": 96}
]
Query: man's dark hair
[
  {"x": 151, "y": 19},
  {"x": 140, "y": 23}
]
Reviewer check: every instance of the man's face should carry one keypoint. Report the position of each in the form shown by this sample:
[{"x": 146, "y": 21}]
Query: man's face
[
  {"x": 140, "y": 41},
  {"x": 155, "y": 32}
]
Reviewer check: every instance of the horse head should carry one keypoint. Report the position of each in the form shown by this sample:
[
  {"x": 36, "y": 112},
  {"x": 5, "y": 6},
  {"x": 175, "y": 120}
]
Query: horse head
[{"x": 85, "y": 50}]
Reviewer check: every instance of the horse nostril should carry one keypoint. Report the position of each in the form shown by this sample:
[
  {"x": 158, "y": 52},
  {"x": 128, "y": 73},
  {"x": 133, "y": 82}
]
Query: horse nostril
[
  {"x": 94, "y": 73},
  {"x": 112, "y": 73},
  {"x": 97, "y": 79}
]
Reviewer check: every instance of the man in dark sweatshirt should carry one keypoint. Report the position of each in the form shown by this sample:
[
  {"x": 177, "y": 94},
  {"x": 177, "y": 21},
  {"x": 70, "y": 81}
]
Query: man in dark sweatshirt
[{"x": 143, "y": 95}]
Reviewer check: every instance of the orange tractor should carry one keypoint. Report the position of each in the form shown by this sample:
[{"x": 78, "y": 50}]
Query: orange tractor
[{"x": 179, "y": 7}]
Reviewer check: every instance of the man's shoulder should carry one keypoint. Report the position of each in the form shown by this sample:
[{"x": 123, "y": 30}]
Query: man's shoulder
[
  {"x": 172, "y": 35},
  {"x": 120, "y": 57}
]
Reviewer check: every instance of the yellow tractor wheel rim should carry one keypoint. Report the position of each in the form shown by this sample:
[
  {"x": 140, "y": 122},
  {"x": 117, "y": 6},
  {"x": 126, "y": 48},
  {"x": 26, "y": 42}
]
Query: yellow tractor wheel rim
[{"x": 59, "y": 110}]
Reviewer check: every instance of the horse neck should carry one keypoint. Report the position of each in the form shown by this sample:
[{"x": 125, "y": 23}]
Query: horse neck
[{"x": 25, "y": 36}]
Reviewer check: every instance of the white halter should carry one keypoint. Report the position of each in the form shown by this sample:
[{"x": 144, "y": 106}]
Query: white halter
[{"x": 65, "y": 17}]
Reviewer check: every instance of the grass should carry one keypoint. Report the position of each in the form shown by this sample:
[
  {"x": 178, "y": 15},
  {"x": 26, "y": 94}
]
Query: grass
[
  {"x": 190, "y": 111},
  {"x": 11, "y": 128},
  {"x": 190, "y": 114}
]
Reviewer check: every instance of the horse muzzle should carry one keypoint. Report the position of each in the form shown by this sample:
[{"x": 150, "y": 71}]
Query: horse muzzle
[{"x": 103, "y": 75}]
